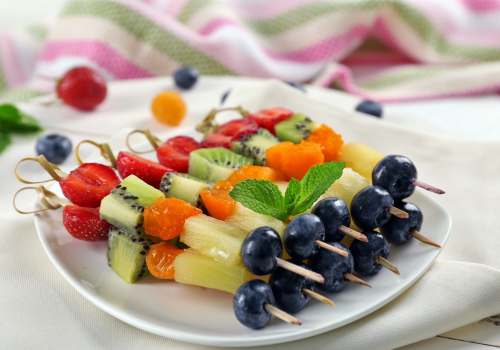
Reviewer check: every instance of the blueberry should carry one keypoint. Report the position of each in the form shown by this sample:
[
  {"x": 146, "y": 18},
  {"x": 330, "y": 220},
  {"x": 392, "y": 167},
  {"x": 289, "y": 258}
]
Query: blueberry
[
  {"x": 370, "y": 107},
  {"x": 365, "y": 254},
  {"x": 333, "y": 213},
  {"x": 224, "y": 96},
  {"x": 399, "y": 231},
  {"x": 249, "y": 304},
  {"x": 396, "y": 174},
  {"x": 288, "y": 289},
  {"x": 260, "y": 250},
  {"x": 186, "y": 77},
  {"x": 56, "y": 148},
  {"x": 301, "y": 235},
  {"x": 332, "y": 267},
  {"x": 296, "y": 85},
  {"x": 370, "y": 207}
]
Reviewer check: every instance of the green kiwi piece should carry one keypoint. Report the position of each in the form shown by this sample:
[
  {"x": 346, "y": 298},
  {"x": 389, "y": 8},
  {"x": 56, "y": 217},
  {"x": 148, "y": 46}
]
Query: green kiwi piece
[
  {"x": 122, "y": 209},
  {"x": 145, "y": 193},
  {"x": 255, "y": 145},
  {"x": 214, "y": 164},
  {"x": 183, "y": 186},
  {"x": 295, "y": 129}
]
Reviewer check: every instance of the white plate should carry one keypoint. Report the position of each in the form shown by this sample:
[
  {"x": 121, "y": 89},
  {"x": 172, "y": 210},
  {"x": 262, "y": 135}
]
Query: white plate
[{"x": 206, "y": 317}]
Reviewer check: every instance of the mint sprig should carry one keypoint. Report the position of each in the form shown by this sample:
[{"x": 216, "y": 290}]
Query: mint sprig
[
  {"x": 13, "y": 120},
  {"x": 264, "y": 197}
]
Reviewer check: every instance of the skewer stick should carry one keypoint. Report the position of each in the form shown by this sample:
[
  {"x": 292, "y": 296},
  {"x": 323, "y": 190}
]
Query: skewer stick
[
  {"x": 353, "y": 233},
  {"x": 355, "y": 279},
  {"x": 319, "y": 297},
  {"x": 399, "y": 213},
  {"x": 388, "y": 265},
  {"x": 299, "y": 270},
  {"x": 332, "y": 248},
  {"x": 282, "y": 315},
  {"x": 429, "y": 188},
  {"x": 424, "y": 239}
]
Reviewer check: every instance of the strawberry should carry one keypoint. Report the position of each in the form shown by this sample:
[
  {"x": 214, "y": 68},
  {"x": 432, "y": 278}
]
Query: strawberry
[
  {"x": 268, "y": 118},
  {"x": 85, "y": 223},
  {"x": 88, "y": 184},
  {"x": 238, "y": 128},
  {"x": 174, "y": 153},
  {"x": 216, "y": 140},
  {"x": 145, "y": 169}
]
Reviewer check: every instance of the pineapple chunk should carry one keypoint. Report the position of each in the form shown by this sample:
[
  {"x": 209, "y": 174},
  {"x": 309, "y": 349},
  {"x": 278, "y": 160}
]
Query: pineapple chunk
[
  {"x": 361, "y": 158},
  {"x": 196, "y": 269},
  {"x": 248, "y": 220},
  {"x": 347, "y": 186},
  {"x": 214, "y": 238}
]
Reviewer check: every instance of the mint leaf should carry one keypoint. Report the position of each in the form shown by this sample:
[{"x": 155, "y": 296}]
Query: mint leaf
[
  {"x": 292, "y": 194},
  {"x": 317, "y": 180},
  {"x": 261, "y": 196},
  {"x": 14, "y": 120},
  {"x": 27, "y": 124},
  {"x": 4, "y": 141}
]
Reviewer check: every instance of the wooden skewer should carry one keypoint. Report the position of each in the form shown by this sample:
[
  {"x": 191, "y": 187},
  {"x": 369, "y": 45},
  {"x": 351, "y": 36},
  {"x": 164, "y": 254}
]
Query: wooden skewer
[
  {"x": 388, "y": 265},
  {"x": 429, "y": 188},
  {"x": 355, "y": 279},
  {"x": 282, "y": 315},
  {"x": 399, "y": 213},
  {"x": 424, "y": 239},
  {"x": 332, "y": 248},
  {"x": 353, "y": 233},
  {"x": 299, "y": 270},
  {"x": 318, "y": 296}
]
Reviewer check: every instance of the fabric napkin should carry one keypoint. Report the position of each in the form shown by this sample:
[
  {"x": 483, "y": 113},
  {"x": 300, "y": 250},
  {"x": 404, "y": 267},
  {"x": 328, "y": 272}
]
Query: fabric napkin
[{"x": 461, "y": 288}]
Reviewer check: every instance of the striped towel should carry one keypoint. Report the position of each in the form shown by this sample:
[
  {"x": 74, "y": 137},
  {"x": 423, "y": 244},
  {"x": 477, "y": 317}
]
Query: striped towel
[{"x": 383, "y": 50}]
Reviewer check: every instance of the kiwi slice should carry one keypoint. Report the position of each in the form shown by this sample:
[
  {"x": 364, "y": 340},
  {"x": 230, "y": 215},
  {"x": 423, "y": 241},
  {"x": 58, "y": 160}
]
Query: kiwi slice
[
  {"x": 295, "y": 129},
  {"x": 127, "y": 254},
  {"x": 214, "y": 164},
  {"x": 255, "y": 145},
  {"x": 122, "y": 209},
  {"x": 182, "y": 186},
  {"x": 145, "y": 193}
]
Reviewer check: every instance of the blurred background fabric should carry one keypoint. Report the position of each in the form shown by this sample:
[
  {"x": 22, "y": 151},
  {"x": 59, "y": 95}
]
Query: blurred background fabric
[{"x": 384, "y": 50}]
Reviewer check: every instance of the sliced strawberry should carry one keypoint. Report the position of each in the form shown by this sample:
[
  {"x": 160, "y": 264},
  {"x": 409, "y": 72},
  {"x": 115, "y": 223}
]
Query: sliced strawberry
[
  {"x": 145, "y": 169},
  {"x": 84, "y": 223},
  {"x": 238, "y": 128},
  {"x": 216, "y": 140},
  {"x": 174, "y": 153},
  {"x": 88, "y": 184},
  {"x": 268, "y": 118}
]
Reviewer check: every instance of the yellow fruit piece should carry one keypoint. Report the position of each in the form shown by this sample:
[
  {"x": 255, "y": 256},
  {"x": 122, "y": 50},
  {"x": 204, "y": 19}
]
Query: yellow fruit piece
[
  {"x": 361, "y": 158},
  {"x": 169, "y": 108},
  {"x": 196, "y": 269},
  {"x": 248, "y": 220},
  {"x": 214, "y": 238},
  {"x": 347, "y": 186}
]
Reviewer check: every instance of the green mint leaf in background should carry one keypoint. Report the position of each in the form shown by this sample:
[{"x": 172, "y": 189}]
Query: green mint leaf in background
[
  {"x": 27, "y": 124},
  {"x": 261, "y": 196},
  {"x": 316, "y": 181},
  {"x": 292, "y": 194},
  {"x": 14, "y": 120},
  {"x": 4, "y": 141}
]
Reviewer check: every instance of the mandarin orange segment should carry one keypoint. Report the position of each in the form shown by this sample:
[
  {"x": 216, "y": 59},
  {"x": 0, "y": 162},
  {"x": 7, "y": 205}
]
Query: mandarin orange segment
[
  {"x": 169, "y": 108},
  {"x": 217, "y": 200},
  {"x": 330, "y": 142},
  {"x": 255, "y": 172},
  {"x": 294, "y": 160},
  {"x": 166, "y": 216},
  {"x": 160, "y": 260}
]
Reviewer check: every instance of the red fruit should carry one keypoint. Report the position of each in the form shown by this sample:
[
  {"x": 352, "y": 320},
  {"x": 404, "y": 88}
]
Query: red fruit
[
  {"x": 88, "y": 184},
  {"x": 84, "y": 223},
  {"x": 268, "y": 118},
  {"x": 82, "y": 88},
  {"x": 145, "y": 169},
  {"x": 174, "y": 153},
  {"x": 216, "y": 140},
  {"x": 238, "y": 128}
]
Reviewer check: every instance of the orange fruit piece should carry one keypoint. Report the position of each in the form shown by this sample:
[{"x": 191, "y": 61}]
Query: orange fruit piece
[
  {"x": 329, "y": 140},
  {"x": 217, "y": 200},
  {"x": 160, "y": 260},
  {"x": 294, "y": 160},
  {"x": 255, "y": 172},
  {"x": 166, "y": 216},
  {"x": 169, "y": 108}
]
